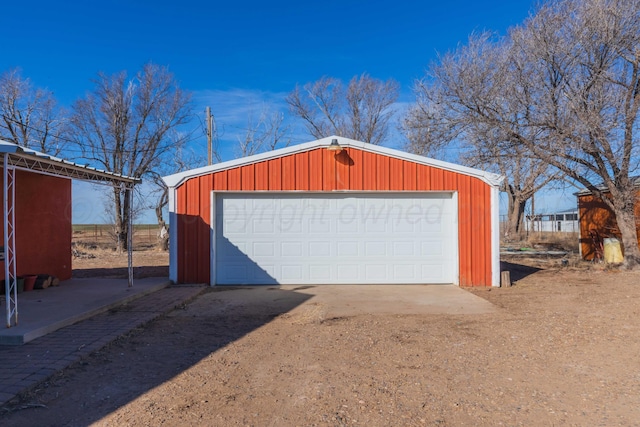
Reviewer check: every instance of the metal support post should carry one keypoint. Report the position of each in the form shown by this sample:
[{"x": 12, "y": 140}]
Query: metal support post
[
  {"x": 10, "y": 280},
  {"x": 130, "y": 236}
]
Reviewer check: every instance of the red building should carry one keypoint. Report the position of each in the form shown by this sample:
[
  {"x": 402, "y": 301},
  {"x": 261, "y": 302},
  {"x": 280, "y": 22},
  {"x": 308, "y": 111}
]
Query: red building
[
  {"x": 36, "y": 208},
  {"x": 319, "y": 213},
  {"x": 42, "y": 224}
]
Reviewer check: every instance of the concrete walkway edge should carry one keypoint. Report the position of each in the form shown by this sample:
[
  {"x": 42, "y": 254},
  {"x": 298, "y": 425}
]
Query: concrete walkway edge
[{"x": 23, "y": 367}]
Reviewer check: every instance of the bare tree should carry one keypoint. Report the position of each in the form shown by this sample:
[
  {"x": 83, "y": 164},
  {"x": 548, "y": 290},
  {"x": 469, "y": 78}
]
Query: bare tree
[
  {"x": 577, "y": 65},
  {"x": 268, "y": 132},
  {"x": 572, "y": 74},
  {"x": 29, "y": 116},
  {"x": 445, "y": 117},
  {"x": 360, "y": 111},
  {"x": 128, "y": 126}
]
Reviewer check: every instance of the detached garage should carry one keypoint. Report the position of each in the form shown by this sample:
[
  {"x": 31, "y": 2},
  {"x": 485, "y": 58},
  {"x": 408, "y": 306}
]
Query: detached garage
[{"x": 334, "y": 211}]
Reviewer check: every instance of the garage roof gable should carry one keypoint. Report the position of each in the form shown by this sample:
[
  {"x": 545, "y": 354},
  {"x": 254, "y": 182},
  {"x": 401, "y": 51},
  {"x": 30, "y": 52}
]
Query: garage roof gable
[{"x": 175, "y": 180}]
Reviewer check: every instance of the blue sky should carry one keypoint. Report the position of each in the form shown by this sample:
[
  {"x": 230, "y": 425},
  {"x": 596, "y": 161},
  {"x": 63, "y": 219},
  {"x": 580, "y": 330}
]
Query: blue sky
[{"x": 239, "y": 56}]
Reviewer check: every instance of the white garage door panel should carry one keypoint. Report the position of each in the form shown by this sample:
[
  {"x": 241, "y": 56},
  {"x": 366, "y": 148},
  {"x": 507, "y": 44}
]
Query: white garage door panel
[{"x": 335, "y": 238}]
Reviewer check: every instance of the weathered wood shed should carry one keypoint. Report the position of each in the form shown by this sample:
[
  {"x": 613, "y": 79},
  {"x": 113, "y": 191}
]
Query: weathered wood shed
[
  {"x": 318, "y": 213},
  {"x": 596, "y": 216}
]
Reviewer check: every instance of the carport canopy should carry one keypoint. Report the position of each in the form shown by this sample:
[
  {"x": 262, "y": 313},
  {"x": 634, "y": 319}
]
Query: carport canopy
[{"x": 16, "y": 157}]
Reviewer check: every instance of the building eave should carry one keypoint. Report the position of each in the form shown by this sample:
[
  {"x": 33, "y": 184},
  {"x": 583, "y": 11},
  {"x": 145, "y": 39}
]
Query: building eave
[{"x": 175, "y": 180}]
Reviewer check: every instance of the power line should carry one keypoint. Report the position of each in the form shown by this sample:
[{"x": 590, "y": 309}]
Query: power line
[
  {"x": 31, "y": 128},
  {"x": 80, "y": 151}
]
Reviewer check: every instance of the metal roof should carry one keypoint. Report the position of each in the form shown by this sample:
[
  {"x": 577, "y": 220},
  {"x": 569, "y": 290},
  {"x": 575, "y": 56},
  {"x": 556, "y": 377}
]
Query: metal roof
[
  {"x": 175, "y": 180},
  {"x": 26, "y": 158},
  {"x": 603, "y": 188}
]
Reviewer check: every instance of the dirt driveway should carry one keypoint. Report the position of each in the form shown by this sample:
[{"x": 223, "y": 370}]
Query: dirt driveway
[{"x": 559, "y": 348}]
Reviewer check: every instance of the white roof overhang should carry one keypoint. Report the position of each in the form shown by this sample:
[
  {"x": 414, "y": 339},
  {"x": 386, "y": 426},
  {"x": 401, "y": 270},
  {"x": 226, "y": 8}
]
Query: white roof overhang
[{"x": 177, "y": 179}]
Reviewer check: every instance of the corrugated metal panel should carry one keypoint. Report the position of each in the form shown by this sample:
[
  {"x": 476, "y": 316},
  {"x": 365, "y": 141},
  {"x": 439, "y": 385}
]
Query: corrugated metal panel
[
  {"x": 275, "y": 174},
  {"x": 478, "y": 208},
  {"x": 220, "y": 181},
  {"x": 328, "y": 170},
  {"x": 289, "y": 173},
  {"x": 42, "y": 224},
  {"x": 369, "y": 171},
  {"x": 343, "y": 164},
  {"x": 423, "y": 177},
  {"x": 381, "y": 172},
  {"x": 316, "y": 176},
  {"x": 261, "y": 176},
  {"x": 234, "y": 179},
  {"x": 409, "y": 175},
  {"x": 356, "y": 170},
  {"x": 302, "y": 171},
  {"x": 450, "y": 180},
  {"x": 248, "y": 177},
  {"x": 189, "y": 255},
  {"x": 437, "y": 179},
  {"x": 464, "y": 229},
  {"x": 396, "y": 175},
  {"x": 203, "y": 221},
  {"x": 323, "y": 170}
]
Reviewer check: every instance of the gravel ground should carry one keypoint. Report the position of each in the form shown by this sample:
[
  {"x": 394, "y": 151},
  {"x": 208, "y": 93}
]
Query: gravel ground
[{"x": 560, "y": 349}]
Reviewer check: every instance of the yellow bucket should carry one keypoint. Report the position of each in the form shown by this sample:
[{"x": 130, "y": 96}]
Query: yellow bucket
[{"x": 612, "y": 251}]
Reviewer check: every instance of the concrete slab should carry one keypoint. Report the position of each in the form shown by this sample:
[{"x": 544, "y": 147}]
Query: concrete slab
[
  {"x": 46, "y": 310},
  {"x": 327, "y": 301},
  {"x": 396, "y": 299}
]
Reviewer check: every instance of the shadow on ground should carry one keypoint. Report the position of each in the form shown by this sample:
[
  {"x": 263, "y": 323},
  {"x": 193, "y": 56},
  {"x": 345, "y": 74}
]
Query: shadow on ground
[
  {"x": 518, "y": 271},
  {"x": 139, "y": 272},
  {"x": 129, "y": 367}
]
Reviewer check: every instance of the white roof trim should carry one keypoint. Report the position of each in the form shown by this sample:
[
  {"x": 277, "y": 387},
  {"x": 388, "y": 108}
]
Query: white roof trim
[{"x": 177, "y": 179}]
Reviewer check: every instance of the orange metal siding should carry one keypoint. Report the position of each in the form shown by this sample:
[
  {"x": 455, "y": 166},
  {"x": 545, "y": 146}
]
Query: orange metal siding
[
  {"x": 234, "y": 179},
  {"x": 275, "y": 174},
  {"x": 356, "y": 169},
  {"x": 220, "y": 181},
  {"x": 248, "y": 177},
  {"x": 423, "y": 177},
  {"x": 396, "y": 175},
  {"x": 450, "y": 180},
  {"x": 437, "y": 178},
  {"x": 315, "y": 170},
  {"x": 328, "y": 170},
  {"x": 323, "y": 170},
  {"x": 289, "y": 173},
  {"x": 381, "y": 172},
  {"x": 261, "y": 176},
  {"x": 343, "y": 164},
  {"x": 302, "y": 171},
  {"x": 409, "y": 175},
  {"x": 369, "y": 171},
  {"x": 464, "y": 228}
]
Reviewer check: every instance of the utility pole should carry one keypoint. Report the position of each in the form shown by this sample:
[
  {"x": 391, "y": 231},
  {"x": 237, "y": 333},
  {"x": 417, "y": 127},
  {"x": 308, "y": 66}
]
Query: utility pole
[{"x": 209, "y": 136}]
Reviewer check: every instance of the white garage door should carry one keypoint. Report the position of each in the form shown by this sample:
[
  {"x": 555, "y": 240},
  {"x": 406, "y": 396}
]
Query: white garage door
[{"x": 339, "y": 238}]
